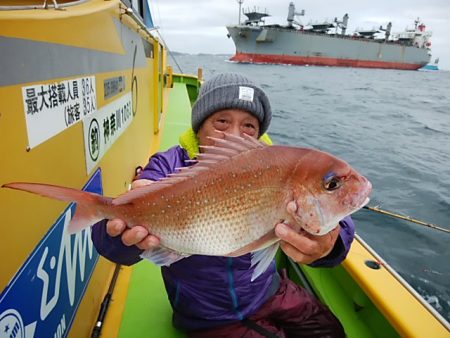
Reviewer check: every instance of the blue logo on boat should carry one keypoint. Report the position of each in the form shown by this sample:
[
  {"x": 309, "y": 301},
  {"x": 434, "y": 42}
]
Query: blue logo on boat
[{"x": 43, "y": 297}]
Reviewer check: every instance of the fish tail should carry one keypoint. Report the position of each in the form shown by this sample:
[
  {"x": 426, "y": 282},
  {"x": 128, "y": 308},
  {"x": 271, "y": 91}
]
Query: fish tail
[{"x": 91, "y": 207}]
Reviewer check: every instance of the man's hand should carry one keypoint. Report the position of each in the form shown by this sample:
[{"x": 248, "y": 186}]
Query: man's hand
[
  {"x": 303, "y": 247},
  {"x": 140, "y": 183},
  {"x": 137, "y": 235}
]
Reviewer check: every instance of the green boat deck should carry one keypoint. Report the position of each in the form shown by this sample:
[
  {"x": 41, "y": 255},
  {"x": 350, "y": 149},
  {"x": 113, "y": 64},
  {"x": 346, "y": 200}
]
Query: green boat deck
[{"x": 147, "y": 310}]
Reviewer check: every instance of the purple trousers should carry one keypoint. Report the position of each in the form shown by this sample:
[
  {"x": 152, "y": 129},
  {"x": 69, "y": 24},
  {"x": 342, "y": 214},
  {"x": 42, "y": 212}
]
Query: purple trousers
[{"x": 291, "y": 312}]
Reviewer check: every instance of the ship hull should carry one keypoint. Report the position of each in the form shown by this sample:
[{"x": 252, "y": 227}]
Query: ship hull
[{"x": 288, "y": 46}]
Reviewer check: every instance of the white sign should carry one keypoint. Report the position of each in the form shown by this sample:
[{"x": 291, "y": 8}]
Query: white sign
[
  {"x": 104, "y": 127},
  {"x": 53, "y": 107}
]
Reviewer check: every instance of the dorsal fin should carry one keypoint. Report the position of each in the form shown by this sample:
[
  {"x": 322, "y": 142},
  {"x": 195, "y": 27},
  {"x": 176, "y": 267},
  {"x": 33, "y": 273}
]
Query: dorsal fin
[
  {"x": 223, "y": 149},
  {"x": 139, "y": 192}
]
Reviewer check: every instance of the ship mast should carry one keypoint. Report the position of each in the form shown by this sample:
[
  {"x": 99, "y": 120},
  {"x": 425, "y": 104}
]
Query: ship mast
[
  {"x": 292, "y": 13},
  {"x": 240, "y": 2},
  {"x": 342, "y": 24},
  {"x": 387, "y": 31}
]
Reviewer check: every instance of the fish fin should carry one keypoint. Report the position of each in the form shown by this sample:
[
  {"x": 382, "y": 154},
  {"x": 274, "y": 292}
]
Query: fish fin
[
  {"x": 226, "y": 148},
  {"x": 223, "y": 149},
  {"x": 90, "y": 206},
  {"x": 237, "y": 142},
  {"x": 130, "y": 195},
  {"x": 263, "y": 258},
  {"x": 229, "y": 146},
  {"x": 163, "y": 256},
  {"x": 163, "y": 183},
  {"x": 85, "y": 215},
  {"x": 263, "y": 242}
]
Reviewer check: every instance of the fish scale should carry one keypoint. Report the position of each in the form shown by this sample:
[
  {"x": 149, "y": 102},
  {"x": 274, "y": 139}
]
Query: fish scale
[
  {"x": 227, "y": 222},
  {"x": 229, "y": 219}
]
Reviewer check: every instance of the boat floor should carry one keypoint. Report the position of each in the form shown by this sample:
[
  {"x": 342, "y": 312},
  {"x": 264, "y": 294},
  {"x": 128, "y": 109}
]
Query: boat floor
[{"x": 147, "y": 311}]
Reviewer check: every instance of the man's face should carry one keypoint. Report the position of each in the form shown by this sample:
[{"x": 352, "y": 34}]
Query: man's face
[{"x": 231, "y": 121}]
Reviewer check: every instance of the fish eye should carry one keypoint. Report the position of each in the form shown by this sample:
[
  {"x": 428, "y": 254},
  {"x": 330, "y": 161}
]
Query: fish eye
[{"x": 331, "y": 183}]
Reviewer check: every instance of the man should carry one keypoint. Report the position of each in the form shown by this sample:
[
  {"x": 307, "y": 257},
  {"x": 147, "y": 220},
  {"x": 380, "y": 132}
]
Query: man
[{"x": 214, "y": 296}]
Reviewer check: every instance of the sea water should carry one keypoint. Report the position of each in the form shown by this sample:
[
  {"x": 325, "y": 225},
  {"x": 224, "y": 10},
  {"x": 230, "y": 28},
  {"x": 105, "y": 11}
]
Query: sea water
[{"x": 392, "y": 126}]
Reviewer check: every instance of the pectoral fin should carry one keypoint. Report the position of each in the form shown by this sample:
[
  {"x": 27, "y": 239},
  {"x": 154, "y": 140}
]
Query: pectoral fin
[
  {"x": 263, "y": 258},
  {"x": 163, "y": 256},
  {"x": 263, "y": 252}
]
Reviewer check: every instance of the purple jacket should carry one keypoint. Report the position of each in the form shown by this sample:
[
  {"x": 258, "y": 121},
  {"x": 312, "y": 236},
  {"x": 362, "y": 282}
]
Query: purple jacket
[{"x": 207, "y": 291}]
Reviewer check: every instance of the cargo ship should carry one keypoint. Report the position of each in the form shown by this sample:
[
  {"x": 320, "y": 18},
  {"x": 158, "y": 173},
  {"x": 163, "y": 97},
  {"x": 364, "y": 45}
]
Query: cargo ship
[{"x": 328, "y": 44}]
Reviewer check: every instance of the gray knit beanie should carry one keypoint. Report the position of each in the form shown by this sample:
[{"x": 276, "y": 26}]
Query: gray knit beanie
[{"x": 231, "y": 91}]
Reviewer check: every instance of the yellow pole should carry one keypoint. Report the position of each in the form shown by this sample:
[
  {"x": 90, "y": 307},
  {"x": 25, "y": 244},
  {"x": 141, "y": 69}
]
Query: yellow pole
[
  {"x": 156, "y": 76},
  {"x": 170, "y": 77}
]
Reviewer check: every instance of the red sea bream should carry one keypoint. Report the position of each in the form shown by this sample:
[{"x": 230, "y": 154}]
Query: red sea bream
[{"x": 228, "y": 203}]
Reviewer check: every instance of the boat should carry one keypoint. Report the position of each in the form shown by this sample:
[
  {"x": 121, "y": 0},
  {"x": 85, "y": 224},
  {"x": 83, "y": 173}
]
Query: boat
[
  {"x": 85, "y": 108},
  {"x": 431, "y": 66},
  {"x": 327, "y": 44}
]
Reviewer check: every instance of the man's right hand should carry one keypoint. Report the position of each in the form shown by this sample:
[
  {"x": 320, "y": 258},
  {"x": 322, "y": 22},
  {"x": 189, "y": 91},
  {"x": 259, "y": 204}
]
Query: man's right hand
[{"x": 137, "y": 235}]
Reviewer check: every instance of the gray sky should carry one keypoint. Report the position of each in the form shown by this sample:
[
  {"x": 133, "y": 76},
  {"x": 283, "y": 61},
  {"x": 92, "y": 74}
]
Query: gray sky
[{"x": 199, "y": 26}]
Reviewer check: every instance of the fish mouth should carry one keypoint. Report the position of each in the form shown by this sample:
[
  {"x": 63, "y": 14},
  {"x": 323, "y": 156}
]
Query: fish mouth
[
  {"x": 363, "y": 197},
  {"x": 366, "y": 201}
]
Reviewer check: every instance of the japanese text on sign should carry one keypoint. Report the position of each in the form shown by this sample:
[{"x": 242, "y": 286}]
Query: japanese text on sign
[
  {"x": 104, "y": 127},
  {"x": 53, "y": 107}
]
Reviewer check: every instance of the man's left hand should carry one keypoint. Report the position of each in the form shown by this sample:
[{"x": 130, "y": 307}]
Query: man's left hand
[{"x": 303, "y": 247}]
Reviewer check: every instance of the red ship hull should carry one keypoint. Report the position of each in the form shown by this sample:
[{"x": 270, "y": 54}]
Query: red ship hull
[{"x": 320, "y": 61}]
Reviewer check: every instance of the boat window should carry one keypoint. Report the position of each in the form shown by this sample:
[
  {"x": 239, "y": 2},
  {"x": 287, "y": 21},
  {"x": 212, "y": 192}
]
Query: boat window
[
  {"x": 148, "y": 48},
  {"x": 138, "y": 7}
]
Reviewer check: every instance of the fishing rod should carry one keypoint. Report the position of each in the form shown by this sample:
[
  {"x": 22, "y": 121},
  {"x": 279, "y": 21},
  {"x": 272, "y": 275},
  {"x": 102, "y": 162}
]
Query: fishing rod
[
  {"x": 97, "y": 330},
  {"x": 406, "y": 218}
]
